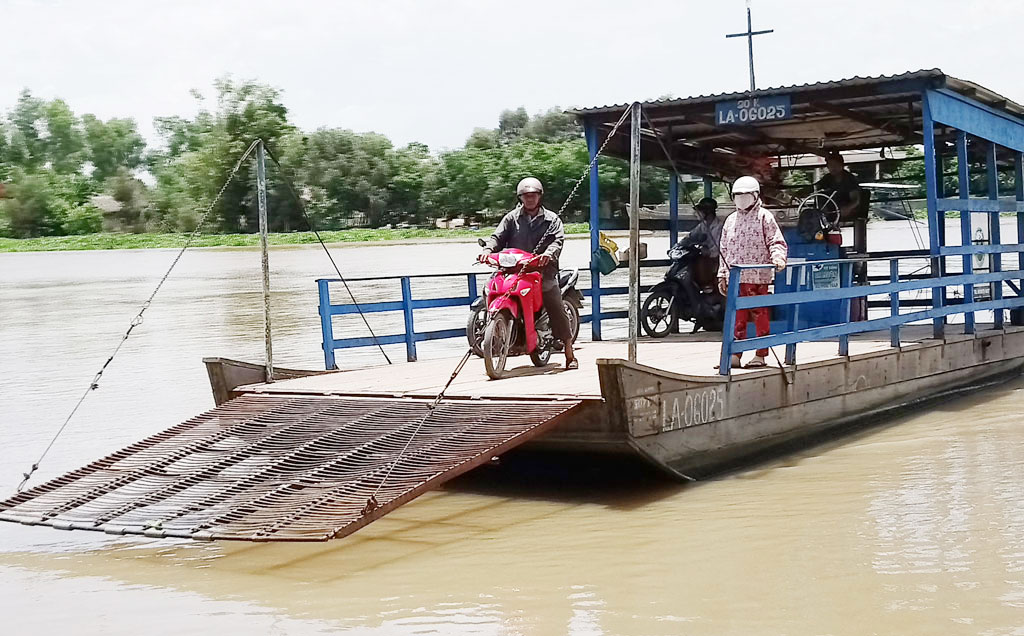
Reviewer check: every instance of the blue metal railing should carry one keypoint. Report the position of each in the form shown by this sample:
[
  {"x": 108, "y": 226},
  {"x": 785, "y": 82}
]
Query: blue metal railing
[
  {"x": 792, "y": 335},
  {"x": 407, "y": 305}
]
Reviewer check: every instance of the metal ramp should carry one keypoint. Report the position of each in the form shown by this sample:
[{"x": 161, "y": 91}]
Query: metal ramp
[{"x": 283, "y": 467}]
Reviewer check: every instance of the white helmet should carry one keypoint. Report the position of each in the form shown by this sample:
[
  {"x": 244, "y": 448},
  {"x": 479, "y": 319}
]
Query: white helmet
[
  {"x": 745, "y": 185},
  {"x": 529, "y": 184}
]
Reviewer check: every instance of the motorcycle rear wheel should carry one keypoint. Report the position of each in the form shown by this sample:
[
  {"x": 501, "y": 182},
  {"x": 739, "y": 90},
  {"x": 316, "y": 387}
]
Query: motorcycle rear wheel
[
  {"x": 497, "y": 344},
  {"x": 574, "y": 318},
  {"x": 475, "y": 327},
  {"x": 659, "y": 314}
]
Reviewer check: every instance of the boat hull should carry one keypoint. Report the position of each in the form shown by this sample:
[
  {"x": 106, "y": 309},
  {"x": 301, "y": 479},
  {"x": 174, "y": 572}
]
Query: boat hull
[{"x": 694, "y": 426}]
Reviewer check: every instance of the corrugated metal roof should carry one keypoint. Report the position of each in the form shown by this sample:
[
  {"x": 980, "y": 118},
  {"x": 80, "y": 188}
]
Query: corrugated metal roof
[{"x": 924, "y": 74}]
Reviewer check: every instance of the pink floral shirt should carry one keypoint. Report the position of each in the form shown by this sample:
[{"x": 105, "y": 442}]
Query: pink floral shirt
[{"x": 752, "y": 238}]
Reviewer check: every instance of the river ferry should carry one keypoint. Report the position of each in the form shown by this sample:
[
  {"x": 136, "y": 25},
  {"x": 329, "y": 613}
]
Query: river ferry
[{"x": 863, "y": 332}]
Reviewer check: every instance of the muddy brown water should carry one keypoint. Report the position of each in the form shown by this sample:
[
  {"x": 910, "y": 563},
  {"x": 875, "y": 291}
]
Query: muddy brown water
[{"x": 915, "y": 526}]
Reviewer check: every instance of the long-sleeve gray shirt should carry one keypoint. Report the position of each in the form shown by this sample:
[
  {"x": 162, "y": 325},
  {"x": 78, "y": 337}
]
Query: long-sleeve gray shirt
[{"x": 539, "y": 234}]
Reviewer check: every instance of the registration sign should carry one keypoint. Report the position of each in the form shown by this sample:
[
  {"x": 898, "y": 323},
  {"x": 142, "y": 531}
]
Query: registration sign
[
  {"x": 825, "y": 276},
  {"x": 753, "y": 110}
]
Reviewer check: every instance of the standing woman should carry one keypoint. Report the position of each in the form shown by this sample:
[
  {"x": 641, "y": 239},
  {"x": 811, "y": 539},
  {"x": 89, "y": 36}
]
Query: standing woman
[{"x": 751, "y": 236}]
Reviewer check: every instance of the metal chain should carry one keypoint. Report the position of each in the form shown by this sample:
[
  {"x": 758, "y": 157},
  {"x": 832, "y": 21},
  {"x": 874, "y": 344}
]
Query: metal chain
[
  {"x": 137, "y": 320},
  {"x": 372, "y": 503}
]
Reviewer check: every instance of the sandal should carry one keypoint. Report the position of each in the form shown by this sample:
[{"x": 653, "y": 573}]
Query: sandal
[
  {"x": 572, "y": 364},
  {"x": 755, "y": 364}
]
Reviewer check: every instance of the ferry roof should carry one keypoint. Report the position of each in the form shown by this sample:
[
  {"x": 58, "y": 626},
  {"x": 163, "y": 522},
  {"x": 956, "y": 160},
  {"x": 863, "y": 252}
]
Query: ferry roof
[{"x": 848, "y": 114}]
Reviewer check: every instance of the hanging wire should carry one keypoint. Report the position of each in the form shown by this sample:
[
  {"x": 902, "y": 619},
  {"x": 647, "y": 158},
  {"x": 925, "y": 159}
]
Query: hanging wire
[
  {"x": 309, "y": 223},
  {"x": 137, "y": 320}
]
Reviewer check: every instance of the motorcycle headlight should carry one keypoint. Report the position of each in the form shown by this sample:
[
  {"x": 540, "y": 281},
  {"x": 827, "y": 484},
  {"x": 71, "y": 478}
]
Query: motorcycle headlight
[{"x": 507, "y": 260}]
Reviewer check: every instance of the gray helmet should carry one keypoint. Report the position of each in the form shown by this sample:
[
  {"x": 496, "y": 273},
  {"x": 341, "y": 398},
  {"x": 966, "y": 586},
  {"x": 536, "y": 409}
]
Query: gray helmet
[{"x": 529, "y": 184}]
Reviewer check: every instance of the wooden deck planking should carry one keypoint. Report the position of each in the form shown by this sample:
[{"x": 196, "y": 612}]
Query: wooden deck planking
[{"x": 694, "y": 354}]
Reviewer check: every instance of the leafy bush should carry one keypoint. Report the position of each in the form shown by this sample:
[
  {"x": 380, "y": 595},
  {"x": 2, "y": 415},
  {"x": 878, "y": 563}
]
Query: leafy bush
[{"x": 83, "y": 219}]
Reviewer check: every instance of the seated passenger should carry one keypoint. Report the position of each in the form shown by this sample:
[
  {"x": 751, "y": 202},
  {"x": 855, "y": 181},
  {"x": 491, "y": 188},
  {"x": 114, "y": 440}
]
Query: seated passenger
[
  {"x": 842, "y": 186},
  {"x": 710, "y": 225}
]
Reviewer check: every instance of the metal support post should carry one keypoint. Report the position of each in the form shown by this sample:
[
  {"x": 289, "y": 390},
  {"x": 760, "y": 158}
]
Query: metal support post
[
  {"x": 410, "y": 329},
  {"x": 894, "y": 302},
  {"x": 799, "y": 282},
  {"x": 708, "y": 187},
  {"x": 673, "y": 209},
  {"x": 1018, "y": 182},
  {"x": 994, "y": 233},
  {"x": 933, "y": 182},
  {"x": 326, "y": 326},
  {"x": 261, "y": 198},
  {"x": 634, "y": 229},
  {"x": 595, "y": 234},
  {"x": 963, "y": 179},
  {"x": 729, "y": 325},
  {"x": 846, "y": 282}
]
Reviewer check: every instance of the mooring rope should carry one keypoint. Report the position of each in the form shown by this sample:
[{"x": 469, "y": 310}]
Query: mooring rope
[
  {"x": 137, "y": 320},
  {"x": 309, "y": 223}
]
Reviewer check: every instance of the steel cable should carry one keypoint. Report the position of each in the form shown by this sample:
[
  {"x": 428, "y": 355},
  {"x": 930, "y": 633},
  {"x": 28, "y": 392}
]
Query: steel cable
[
  {"x": 137, "y": 320},
  {"x": 309, "y": 223}
]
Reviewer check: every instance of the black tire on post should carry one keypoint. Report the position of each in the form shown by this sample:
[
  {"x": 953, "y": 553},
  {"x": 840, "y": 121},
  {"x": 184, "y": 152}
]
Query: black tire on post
[
  {"x": 497, "y": 343},
  {"x": 475, "y": 327},
  {"x": 659, "y": 313}
]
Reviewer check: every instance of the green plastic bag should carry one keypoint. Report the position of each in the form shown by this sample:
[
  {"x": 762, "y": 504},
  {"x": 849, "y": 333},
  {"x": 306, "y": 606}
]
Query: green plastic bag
[{"x": 604, "y": 262}]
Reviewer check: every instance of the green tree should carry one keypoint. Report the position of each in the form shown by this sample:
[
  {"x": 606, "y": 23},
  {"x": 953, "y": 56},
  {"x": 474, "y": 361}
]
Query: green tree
[
  {"x": 113, "y": 145},
  {"x": 553, "y": 126},
  {"x": 5, "y": 154},
  {"x": 64, "y": 142},
  {"x": 39, "y": 203},
  {"x": 133, "y": 196},
  {"x": 27, "y": 146},
  {"x": 411, "y": 168},
  {"x": 483, "y": 139},
  {"x": 202, "y": 151},
  {"x": 512, "y": 122}
]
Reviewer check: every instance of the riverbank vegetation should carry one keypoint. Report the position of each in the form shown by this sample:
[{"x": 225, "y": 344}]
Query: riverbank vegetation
[
  {"x": 64, "y": 174},
  {"x": 124, "y": 241}
]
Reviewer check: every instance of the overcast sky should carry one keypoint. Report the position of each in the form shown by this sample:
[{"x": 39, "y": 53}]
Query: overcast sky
[{"x": 432, "y": 70}]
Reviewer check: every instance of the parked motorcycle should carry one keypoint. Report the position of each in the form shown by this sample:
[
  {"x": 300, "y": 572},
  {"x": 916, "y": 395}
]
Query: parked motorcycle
[
  {"x": 572, "y": 300},
  {"x": 517, "y": 322},
  {"x": 686, "y": 293}
]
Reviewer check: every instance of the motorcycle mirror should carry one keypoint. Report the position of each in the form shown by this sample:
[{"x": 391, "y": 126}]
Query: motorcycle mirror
[{"x": 481, "y": 242}]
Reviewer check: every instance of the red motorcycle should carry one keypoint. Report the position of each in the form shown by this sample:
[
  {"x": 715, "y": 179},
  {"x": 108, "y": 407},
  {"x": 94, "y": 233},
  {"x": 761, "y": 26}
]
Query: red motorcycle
[{"x": 517, "y": 321}]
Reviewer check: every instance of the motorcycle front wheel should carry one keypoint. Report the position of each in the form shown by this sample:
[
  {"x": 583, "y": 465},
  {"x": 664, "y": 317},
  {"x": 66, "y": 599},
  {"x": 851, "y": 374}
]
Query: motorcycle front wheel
[
  {"x": 496, "y": 344},
  {"x": 659, "y": 313}
]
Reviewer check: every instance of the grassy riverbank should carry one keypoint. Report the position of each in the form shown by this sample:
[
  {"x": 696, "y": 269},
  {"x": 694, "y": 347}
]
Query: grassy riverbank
[{"x": 144, "y": 241}]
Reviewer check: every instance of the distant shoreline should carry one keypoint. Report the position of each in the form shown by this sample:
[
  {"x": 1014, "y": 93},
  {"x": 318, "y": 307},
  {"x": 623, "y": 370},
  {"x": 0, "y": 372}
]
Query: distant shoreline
[{"x": 360, "y": 237}]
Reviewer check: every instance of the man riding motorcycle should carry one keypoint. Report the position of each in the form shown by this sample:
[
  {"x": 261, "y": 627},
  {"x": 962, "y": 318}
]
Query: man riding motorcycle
[{"x": 533, "y": 228}]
